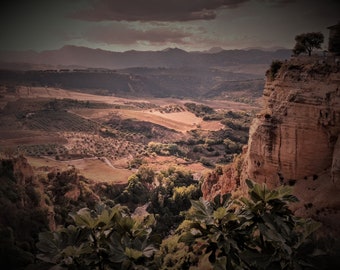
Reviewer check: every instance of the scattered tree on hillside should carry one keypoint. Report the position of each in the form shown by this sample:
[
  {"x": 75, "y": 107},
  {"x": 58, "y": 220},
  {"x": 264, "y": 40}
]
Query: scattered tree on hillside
[{"x": 307, "y": 42}]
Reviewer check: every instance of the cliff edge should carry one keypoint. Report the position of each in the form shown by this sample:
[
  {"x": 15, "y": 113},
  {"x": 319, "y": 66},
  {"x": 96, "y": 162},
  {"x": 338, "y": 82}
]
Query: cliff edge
[
  {"x": 295, "y": 139},
  {"x": 296, "y": 135}
]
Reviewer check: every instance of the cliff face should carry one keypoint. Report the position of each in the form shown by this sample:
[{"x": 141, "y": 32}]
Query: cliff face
[{"x": 295, "y": 139}]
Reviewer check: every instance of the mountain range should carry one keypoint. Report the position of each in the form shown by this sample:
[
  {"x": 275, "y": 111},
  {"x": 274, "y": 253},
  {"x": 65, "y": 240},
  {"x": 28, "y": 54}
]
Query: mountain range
[
  {"x": 168, "y": 58},
  {"x": 170, "y": 72}
]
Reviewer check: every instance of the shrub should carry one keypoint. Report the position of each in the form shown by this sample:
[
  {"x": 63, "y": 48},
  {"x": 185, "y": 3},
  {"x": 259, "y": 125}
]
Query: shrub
[
  {"x": 274, "y": 68},
  {"x": 258, "y": 232},
  {"x": 102, "y": 238}
]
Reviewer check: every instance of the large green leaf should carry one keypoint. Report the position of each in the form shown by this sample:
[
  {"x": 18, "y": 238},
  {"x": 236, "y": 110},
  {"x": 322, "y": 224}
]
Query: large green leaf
[
  {"x": 117, "y": 252},
  {"x": 83, "y": 218},
  {"x": 49, "y": 242},
  {"x": 73, "y": 251},
  {"x": 133, "y": 253},
  {"x": 250, "y": 184},
  {"x": 220, "y": 213},
  {"x": 256, "y": 259}
]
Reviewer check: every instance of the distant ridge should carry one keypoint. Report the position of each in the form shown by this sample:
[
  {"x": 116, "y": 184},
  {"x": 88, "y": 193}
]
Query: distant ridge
[{"x": 169, "y": 58}]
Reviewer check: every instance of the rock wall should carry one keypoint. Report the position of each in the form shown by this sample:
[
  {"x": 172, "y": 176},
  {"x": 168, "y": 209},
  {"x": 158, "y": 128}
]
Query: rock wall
[
  {"x": 296, "y": 134},
  {"x": 295, "y": 140}
]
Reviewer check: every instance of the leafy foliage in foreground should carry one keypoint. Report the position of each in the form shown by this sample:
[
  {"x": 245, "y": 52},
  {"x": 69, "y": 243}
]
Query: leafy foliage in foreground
[
  {"x": 104, "y": 238},
  {"x": 259, "y": 232}
]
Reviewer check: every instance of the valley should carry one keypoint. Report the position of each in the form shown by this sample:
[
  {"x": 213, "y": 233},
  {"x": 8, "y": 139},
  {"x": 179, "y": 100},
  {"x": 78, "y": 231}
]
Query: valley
[
  {"x": 74, "y": 159},
  {"x": 170, "y": 135},
  {"x": 106, "y": 138}
]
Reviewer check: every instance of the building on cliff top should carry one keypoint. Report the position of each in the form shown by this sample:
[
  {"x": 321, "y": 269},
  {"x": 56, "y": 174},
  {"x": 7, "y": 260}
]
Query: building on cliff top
[{"x": 334, "y": 39}]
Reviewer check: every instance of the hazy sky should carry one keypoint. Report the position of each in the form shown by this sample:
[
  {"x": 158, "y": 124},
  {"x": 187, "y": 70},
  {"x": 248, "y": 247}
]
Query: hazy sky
[{"x": 121, "y": 25}]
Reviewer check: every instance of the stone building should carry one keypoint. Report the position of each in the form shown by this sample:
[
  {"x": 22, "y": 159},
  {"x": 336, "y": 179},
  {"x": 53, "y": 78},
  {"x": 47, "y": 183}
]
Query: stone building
[{"x": 334, "y": 39}]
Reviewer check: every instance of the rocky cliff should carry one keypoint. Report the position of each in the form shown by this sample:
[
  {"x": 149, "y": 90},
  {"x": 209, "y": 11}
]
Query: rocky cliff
[
  {"x": 295, "y": 139},
  {"x": 295, "y": 136}
]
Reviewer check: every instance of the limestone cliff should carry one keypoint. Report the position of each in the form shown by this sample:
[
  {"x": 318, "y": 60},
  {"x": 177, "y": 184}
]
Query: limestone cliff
[
  {"x": 296, "y": 134},
  {"x": 295, "y": 139}
]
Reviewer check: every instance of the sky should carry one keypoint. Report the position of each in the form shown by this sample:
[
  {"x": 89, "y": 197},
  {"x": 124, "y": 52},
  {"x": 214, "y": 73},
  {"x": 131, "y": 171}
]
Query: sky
[{"x": 192, "y": 25}]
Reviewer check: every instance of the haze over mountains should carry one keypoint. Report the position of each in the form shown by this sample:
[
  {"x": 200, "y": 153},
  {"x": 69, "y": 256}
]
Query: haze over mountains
[
  {"x": 170, "y": 72},
  {"x": 169, "y": 58}
]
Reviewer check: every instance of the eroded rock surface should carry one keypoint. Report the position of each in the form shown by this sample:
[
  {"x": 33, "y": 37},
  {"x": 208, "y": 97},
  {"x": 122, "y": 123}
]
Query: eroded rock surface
[
  {"x": 295, "y": 136},
  {"x": 295, "y": 139}
]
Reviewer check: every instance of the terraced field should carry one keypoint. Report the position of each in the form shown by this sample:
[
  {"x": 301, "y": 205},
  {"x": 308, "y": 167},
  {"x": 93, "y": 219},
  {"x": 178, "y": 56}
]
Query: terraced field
[{"x": 105, "y": 138}]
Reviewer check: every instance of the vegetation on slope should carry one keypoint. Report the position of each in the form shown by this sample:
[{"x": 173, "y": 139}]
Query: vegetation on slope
[
  {"x": 95, "y": 232},
  {"x": 57, "y": 129},
  {"x": 258, "y": 232}
]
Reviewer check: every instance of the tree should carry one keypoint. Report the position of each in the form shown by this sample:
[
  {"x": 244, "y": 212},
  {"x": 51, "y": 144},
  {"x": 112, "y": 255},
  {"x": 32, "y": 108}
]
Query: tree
[
  {"x": 254, "y": 232},
  {"x": 306, "y": 42}
]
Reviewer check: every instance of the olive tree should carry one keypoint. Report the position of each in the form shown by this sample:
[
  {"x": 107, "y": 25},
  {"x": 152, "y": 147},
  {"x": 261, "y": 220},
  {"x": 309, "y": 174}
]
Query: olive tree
[{"x": 307, "y": 42}]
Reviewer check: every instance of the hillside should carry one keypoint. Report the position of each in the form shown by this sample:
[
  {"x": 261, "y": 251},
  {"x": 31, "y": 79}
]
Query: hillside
[
  {"x": 140, "y": 82},
  {"x": 91, "y": 167}
]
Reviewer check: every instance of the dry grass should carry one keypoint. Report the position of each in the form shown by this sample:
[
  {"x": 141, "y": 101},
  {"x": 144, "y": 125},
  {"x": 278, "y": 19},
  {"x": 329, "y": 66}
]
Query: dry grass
[
  {"x": 9, "y": 138},
  {"x": 48, "y": 92},
  {"x": 93, "y": 169},
  {"x": 119, "y": 150},
  {"x": 211, "y": 125},
  {"x": 179, "y": 121},
  {"x": 98, "y": 171}
]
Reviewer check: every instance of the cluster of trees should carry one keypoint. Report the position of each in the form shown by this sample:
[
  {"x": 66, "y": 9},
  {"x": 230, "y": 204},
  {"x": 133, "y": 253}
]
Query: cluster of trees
[
  {"x": 199, "y": 110},
  {"x": 165, "y": 149},
  {"x": 211, "y": 147},
  {"x": 166, "y": 194},
  {"x": 253, "y": 232},
  {"x": 178, "y": 231},
  {"x": 21, "y": 216}
]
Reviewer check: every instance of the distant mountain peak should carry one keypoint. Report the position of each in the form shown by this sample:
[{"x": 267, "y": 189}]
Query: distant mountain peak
[
  {"x": 215, "y": 50},
  {"x": 174, "y": 50}
]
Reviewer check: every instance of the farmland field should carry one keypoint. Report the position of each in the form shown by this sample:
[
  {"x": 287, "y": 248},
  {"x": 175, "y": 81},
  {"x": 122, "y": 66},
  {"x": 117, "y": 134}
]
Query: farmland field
[
  {"x": 106, "y": 137},
  {"x": 94, "y": 169}
]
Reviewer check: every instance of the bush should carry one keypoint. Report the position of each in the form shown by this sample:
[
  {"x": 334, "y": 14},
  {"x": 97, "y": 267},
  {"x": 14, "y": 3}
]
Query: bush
[
  {"x": 102, "y": 238},
  {"x": 255, "y": 232},
  {"x": 274, "y": 68}
]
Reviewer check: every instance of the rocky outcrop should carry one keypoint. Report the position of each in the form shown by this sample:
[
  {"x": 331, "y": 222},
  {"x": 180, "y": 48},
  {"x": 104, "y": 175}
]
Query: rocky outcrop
[
  {"x": 295, "y": 136},
  {"x": 223, "y": 180},
  {"x": 295, "y": 139}
]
